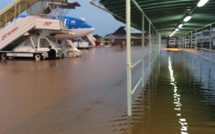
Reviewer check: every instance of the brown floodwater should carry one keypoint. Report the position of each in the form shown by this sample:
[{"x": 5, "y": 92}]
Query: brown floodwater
[{"x": 87, "y": 95}]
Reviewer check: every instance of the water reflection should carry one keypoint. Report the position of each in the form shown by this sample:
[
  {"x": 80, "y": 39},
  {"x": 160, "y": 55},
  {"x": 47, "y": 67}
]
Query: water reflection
[{"x": 178, "y": 98}]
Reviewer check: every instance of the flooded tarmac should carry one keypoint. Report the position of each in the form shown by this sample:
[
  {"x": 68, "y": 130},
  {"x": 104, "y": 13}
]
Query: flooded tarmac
[
  {"x": 87, "y": 95},
  {"x": 179, "y": 98}
]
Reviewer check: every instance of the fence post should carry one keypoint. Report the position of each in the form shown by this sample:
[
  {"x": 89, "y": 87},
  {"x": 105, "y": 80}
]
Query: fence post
[
  {"x": 128, "y": 46},
  {"x": 143, "y": 44}
]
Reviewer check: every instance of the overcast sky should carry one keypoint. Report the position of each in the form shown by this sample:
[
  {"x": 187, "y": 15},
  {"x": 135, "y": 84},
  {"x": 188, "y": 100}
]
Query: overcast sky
[{"x": 103, "y": 22}]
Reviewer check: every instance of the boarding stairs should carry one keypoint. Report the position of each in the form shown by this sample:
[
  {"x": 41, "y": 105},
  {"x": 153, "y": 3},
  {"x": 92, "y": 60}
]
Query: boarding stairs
[
  {"x": 70, "y": 43},
  {"x": 91, "y": 39},
  {"x": 21, "y": 26},
  {"x": 16, "y": 43}
]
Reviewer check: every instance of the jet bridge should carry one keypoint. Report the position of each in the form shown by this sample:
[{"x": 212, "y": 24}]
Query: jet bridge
[{"x": 17, "y": 7}]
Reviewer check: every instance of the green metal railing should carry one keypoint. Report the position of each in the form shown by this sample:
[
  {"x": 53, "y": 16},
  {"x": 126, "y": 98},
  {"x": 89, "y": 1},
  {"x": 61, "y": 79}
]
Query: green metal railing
[
  {"x": 199, "y": 49},
  {"x": 154, "y": 44},
  {"x": 153, "y": 51}
]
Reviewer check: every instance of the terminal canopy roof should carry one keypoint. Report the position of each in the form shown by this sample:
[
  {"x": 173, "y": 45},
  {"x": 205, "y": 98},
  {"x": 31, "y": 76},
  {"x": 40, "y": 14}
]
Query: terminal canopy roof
[{"x": 165, "y": 15}]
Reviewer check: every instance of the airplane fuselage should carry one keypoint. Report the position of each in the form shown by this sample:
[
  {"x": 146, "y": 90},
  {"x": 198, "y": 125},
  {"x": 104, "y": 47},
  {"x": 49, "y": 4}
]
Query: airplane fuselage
[{"x": 76, "y": 28}]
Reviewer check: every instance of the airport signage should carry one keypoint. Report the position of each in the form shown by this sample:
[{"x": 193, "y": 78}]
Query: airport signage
[{"x": 9, "y": 33}]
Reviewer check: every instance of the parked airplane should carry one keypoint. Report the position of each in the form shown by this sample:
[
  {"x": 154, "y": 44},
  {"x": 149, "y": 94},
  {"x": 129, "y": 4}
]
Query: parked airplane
[{"x": 76, "y": 28}]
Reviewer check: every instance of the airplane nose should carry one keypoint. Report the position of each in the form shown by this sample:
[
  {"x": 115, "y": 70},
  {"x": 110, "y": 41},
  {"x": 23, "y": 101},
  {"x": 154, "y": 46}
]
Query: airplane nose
[
  {"x": 92, "y": 29},
  {"x": 89, "y": 30}
]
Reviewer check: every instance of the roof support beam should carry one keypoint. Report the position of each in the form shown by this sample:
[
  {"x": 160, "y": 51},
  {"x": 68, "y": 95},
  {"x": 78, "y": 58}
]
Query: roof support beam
[{"x": 104, "y": 9}]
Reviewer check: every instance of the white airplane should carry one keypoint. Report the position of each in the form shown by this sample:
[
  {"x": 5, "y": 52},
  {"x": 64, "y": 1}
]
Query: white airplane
[{"x": 75, "y": 28}]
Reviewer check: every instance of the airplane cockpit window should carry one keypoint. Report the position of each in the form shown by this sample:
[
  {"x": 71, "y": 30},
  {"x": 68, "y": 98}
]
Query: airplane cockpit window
[{"x": 82, "y": 23}]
